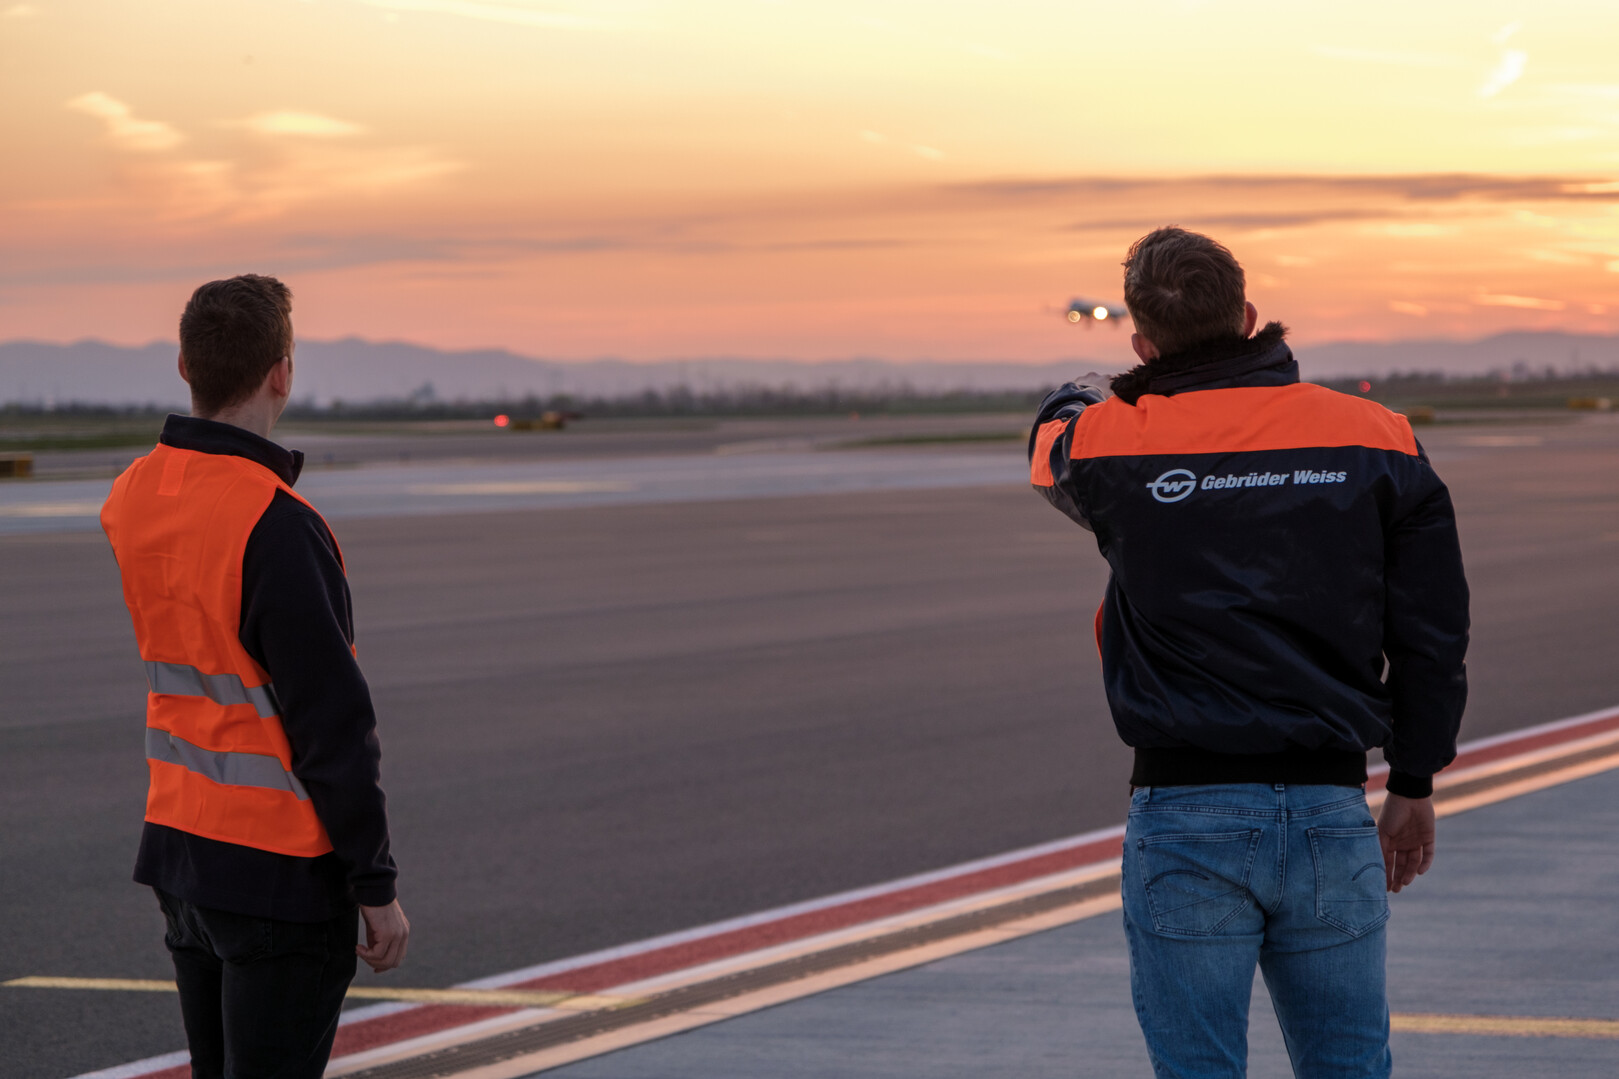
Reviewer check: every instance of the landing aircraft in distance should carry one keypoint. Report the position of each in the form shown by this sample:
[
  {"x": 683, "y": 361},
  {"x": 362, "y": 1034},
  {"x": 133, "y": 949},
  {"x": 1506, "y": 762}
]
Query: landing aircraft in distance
[{"x": 1089, "y": 311}]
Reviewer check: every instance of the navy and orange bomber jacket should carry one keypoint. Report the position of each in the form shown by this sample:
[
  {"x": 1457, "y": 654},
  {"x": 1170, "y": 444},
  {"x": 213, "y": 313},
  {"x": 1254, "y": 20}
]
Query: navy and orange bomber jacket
[{"x": 1286, "y": 590}]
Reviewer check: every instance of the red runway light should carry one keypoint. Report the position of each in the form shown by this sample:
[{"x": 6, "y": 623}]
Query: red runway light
[
  {"x": 502, "y": 420},
  {"x": 1365, "y": 387}
]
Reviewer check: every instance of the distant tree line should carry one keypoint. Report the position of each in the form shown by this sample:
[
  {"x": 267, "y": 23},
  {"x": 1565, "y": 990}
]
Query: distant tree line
[
  {"x": 684, "y": 402},
  {"x": 1517, "y": 387}
]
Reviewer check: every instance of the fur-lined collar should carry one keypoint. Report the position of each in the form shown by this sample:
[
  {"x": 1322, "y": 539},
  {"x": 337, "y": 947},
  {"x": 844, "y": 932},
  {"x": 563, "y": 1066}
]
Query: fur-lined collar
[{"x": 1218, "y": 359}]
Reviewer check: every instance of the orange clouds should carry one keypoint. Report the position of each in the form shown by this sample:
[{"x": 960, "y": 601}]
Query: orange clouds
[
  {"x": 976, "y": 270},
  {"x": 725, "y": 177}
]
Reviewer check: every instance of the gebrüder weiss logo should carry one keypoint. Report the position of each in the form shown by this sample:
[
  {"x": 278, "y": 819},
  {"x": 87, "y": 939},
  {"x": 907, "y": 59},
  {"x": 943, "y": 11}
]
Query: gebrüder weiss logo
[{"x": 1173, "y": 485}]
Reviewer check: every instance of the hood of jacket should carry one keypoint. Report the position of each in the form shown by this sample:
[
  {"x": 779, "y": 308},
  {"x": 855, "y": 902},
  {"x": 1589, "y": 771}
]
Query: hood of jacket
[{"x": 1232, "y": 360}]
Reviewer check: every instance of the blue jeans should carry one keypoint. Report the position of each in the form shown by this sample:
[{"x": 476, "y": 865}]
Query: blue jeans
[{"x": 1218, "y": 879}]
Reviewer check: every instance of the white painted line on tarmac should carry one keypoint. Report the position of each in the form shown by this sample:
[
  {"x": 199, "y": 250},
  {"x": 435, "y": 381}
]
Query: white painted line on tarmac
[
  {"x": 770, "y": 996},
  {"x": 776, "y": 914},
  {"x": 136, "y": 1068},
  {"x": 1451, "y": 806}
]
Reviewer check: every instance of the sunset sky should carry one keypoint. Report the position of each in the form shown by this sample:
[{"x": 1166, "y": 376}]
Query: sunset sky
[{"x": 818, "y": 179}]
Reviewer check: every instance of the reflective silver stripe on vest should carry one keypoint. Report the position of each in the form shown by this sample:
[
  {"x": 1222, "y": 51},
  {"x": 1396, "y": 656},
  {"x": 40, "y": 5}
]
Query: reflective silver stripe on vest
[
  {"x": 230, "y": 769},
  {"x": 184, "y": 681}
]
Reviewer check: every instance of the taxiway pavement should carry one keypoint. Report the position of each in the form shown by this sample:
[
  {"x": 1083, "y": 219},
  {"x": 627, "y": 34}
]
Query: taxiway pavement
[{"x": 604, "y": 723}]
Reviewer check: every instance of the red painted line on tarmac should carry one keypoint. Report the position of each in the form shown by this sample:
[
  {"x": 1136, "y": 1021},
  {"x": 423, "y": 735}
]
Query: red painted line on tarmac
[
  {"x": 812, "y": 923},
  {"x": 400, "y": 1026},
  {"x": 1489, "y": 750},
  {"x": 428, "y": 1019},
  {"x": 413, "y": 1022},
  {"x": 1596, "y": 723}
]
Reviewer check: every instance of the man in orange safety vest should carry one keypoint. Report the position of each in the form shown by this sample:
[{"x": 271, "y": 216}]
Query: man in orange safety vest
[{"x": 266, "y": 824}]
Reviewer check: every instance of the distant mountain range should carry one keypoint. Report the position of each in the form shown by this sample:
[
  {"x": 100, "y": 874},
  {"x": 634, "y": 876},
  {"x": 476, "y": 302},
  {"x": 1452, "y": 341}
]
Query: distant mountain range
[{"x": 352, "y": 370}]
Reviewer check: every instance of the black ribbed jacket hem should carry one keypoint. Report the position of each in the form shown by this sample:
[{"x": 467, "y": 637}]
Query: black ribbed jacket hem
[
  {"x": 1186, "y": 767},
  {"x": 1410, "y": 786}
]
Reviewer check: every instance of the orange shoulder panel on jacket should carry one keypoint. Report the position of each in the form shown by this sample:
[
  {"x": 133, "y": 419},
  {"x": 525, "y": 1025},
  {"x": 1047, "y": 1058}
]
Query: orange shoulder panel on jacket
[
  {"x": 1040, "y": 465},
  {"x": 1237, "y": 420}
]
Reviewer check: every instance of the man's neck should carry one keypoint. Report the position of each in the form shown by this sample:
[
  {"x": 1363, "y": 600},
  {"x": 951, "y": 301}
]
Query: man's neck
[{"x": 253, "y": 415}]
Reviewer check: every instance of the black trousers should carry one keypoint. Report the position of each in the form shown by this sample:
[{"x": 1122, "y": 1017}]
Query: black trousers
[{"x": 260, "y": 997}]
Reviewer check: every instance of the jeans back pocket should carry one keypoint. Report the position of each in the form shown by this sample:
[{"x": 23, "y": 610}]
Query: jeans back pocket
[
  {"x": 1350, "y": 884},
  {"x": 1197, "y": 882}
]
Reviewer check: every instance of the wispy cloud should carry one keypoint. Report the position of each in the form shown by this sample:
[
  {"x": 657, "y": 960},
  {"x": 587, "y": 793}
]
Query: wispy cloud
[
  {"x": 124, "y": 128},
  {"x": 1507, "y": 72},
  {"x": 516, "y": 14},
  {"x": 1559, "y": 258},
  {"x": 1406, "y": 307},
  {"x": 1601, "y": 91},
  {"x": 1415, "y": 187},
  {"x": 1410, "y": 229},
  {"x": 1236, "y": 220},
  {"x": 304, "y": 165},
  {"x": 1386, "y": 56},
  {"x": 1531, "y": 303},
  {"x": 291, "y": 122},
  {"x": 877, "y": 138}
]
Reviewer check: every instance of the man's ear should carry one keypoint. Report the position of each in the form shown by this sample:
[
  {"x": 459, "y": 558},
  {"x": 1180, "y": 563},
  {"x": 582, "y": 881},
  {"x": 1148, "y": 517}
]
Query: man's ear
[
  {"x": 280, "y": 378},
  {"x": 1145, "y": 349},
  {"x": 185, "y": 374},
  {"x": 1250, "y": 318}
]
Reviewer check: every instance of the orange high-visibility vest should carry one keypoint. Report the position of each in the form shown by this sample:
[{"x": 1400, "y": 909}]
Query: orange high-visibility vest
[{"x": 220, "y": 764}]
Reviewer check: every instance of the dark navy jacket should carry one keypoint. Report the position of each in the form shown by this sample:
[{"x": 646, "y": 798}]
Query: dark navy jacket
[
  {"x": 297, "y": 624},
  {"x": 1287, "y": 587}
]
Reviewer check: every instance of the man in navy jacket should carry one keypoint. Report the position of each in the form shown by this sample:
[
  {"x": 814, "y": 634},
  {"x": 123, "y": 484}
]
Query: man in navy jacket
[{"x": 1286, "y": 594}]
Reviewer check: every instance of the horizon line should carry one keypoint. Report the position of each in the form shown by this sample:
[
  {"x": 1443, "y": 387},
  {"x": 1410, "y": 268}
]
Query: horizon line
[{"x": 732, "y": 358}]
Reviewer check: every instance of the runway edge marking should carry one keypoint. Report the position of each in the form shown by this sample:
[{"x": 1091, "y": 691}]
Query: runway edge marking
[{"x": 365, "y": 1034}]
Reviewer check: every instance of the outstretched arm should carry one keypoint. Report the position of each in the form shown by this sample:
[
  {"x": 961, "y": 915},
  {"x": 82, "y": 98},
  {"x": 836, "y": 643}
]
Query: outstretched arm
[{"x": 1051, "y": 442}]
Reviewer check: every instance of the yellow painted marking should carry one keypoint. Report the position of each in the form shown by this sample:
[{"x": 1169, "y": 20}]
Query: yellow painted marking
[
  {"x": 138, "y": 985},
  {"x": 1512, "y": 1026},
  {"x": 1444, "y": 807},
  {"x": 522, "y": 998}
]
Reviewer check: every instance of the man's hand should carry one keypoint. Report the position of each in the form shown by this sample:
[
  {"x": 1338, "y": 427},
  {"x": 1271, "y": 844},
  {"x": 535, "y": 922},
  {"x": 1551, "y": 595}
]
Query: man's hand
[
  {"x": 1405, "y": 828},
  {"x": 386, "y": 931}
]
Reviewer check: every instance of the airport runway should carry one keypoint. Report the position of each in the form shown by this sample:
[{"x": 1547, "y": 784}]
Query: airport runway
[
  {"x": 450, "y": 488},
  {"x": 606, "y": 722}
]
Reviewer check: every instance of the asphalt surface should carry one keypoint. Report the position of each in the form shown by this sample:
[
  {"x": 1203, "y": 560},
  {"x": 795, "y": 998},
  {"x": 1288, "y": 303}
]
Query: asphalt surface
[
  {"x": 1534, "y": 876},
  {"x": 605, "y": 723},
  {"x": 441, "y": 488},
  {"x": 332, "y": 444}
]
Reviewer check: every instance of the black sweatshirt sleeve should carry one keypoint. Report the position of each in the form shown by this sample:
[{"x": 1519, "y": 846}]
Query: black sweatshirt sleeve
[
  {"x": 1425, "y": 632},
  {"x": 298, "y": 625},
  {"x": 1051, "y": 442}
]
